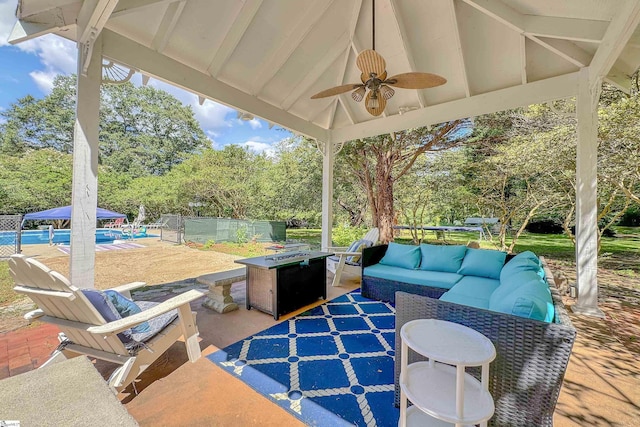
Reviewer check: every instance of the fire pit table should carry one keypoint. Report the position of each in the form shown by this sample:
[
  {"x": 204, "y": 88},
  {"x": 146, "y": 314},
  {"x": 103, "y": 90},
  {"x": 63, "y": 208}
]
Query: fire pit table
[{"x": 284, "y": 282}]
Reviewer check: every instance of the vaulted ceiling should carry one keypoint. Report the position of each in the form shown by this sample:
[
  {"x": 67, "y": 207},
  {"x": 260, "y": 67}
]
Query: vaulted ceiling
[{"x": 267, "y": 57}]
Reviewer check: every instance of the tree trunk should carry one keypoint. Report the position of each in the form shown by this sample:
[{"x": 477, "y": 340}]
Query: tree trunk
[{"x": 384, "y": 181}]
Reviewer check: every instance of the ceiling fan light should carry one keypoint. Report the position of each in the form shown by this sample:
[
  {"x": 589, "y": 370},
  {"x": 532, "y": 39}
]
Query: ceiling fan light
[
  {"x": 386, "y": 92},
  {"x": 358, "y": 94},
  {"x": 373, "y": 102}
]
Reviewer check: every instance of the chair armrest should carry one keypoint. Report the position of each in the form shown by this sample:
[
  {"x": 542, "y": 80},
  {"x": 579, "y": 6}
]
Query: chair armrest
[
  {"x": 347, "y": 253},
  {"x": 336, "y": 248},
  {"x": 126, "y": 288},
  {"x": 133, "y": 320}
]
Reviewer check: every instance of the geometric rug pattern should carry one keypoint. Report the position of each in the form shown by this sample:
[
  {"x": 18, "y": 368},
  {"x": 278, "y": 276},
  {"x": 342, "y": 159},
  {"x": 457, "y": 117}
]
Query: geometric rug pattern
[{"x": 329, "y": 366}]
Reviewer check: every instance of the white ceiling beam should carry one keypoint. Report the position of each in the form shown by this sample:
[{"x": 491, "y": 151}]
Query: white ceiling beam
[
  {"x": 523, "y": 59},
  {"x": 618, "y": 34},
  {"x": 336, "y": 49},
  {"x": 168, "y": 24},
  {"x": 579, "y": 30},
  {"x": 532, "y": 93},
  {"x": 458, "y": 45},
  {"x": 92, "y": 18},
  {"x": 300, "y": 30},
  {"x": 233, "y": 37},
  {"x": 50, "y": 21},
  {"x": 332, "y": 113},
  {"x": 150, "y": 62},
  {"x": 126, "y": 7},
  {"x": 543, "y": 26},
  {"x": 344, "y": 102},
  {"x": 404, "y": 39},
  {"x": 355, "y": 14},
  {"x": 566, "y": 50}
]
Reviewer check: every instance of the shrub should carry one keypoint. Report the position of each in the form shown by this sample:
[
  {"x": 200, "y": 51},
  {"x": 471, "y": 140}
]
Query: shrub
[
  {"x": 545, "y": 226},
  {"x": 344, "y": 236}
]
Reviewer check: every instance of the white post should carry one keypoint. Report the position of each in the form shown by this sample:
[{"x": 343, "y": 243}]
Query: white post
[
  {"x": 586, "y": 196},
  {"x": 85, "y": 170},
  {"x": 328, "y": 155}
]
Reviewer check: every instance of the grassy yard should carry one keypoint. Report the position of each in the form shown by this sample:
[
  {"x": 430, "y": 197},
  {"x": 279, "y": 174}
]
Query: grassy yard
[{"x": 618, "y": 253}]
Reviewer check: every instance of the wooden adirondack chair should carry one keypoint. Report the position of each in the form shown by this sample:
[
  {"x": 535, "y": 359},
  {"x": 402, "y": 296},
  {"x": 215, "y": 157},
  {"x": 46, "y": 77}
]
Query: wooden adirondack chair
[
  {"x": 86, "y": 332},
  {"x": 347, "y": 259}
]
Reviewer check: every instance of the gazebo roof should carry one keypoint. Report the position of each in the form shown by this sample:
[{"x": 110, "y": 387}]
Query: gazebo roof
[{"x": 267, "y": 57}]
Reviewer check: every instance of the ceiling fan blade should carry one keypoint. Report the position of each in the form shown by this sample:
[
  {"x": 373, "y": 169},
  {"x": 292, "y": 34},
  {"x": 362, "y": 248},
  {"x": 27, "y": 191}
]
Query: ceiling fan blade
[
  {"x": 369, "y": 61},
  {"x": 416, "y": 80},
  {"x": 375, "y": 110},
  {"x": 336, "y": 90}
]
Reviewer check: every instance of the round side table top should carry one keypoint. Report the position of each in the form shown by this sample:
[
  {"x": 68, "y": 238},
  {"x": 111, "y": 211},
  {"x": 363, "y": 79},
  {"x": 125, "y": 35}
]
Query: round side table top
[{"x": 448, "y": 342}]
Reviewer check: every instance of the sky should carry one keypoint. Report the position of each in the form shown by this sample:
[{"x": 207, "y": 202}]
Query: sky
[{"x": 30, "y": 67}]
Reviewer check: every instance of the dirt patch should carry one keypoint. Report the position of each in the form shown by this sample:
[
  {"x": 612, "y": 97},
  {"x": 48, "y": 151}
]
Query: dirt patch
[{"x": 156, "y": 263}]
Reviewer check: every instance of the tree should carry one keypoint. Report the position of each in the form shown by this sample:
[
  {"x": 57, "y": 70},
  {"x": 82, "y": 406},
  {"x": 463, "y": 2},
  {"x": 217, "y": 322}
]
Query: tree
[
  {"x": 142, "y": 130},
  {"x": 378, "y": 162},
  {"x": 146, "y": 131}
]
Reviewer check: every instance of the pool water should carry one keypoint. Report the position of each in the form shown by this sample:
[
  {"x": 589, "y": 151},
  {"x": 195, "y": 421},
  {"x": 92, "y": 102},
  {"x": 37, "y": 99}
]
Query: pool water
[{"x": 61, "y": 236}]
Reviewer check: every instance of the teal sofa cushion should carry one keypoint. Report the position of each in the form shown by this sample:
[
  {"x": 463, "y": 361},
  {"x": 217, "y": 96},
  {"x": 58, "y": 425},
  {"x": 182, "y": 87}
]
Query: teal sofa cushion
[
  {"x": 514, "y": 267},
  {"x": 531, "y": 300},
  {"x": 526, "y": 261},
  {"x": 438, "y": 279},
  {"x": 482, "y": 263},
  {"x": 465, "y": 300},
  {"x": 404, "y": 256},
  {"x": 442, "y": 257},
  {"x": 477, "y": 287}
]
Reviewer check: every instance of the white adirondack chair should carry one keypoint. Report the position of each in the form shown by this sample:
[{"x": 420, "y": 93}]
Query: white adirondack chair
[
  {"x": 348, "y": 259},
  {"x": 87, "y": 333}
]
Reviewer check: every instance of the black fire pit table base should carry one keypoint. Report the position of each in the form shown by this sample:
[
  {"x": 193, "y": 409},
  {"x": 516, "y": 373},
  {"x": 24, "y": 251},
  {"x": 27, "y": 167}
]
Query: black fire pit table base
[{"x": 282, "y": 283}]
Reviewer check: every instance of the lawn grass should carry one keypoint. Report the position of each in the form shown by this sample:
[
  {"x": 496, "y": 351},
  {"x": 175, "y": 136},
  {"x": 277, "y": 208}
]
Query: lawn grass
[{"x": 623, "y": 248}]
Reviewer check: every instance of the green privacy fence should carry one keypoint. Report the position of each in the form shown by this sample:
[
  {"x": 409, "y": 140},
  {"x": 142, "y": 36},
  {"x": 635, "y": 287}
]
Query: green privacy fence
[{"x": 204, "y": 229}]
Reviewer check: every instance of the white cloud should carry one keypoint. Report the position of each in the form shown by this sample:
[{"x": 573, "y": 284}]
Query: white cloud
[
  {"x": 44, "y": 80},
  {"x": 258, "y": 147},
  {"x": 7, "y": 19},
  {"x": 211, "y": 115},
  {"x": 255, "y": 124}
]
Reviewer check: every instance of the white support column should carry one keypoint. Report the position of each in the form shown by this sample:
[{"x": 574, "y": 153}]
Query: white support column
[
  {"x": 85, "y": 170},
  {"x": 328, "y": 155},
  {"x": 586, "y": 196}
]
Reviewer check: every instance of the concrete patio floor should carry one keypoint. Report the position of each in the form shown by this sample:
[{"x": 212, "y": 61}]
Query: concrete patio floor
[{"x": 601, "y": 387}]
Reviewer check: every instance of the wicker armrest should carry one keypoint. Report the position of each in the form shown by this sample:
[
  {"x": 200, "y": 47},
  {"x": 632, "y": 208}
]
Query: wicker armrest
[
  {"x": 373, "y": 255},
  {"x": 135, "y": 319}
]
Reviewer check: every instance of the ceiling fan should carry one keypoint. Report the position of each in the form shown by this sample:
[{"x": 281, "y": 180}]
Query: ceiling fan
[{"x": 374, "y": 79}]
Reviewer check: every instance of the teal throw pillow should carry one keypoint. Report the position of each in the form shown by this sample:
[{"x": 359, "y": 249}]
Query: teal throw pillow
[
  {"x": 126, "y": 308},
  {"x": 404, "y": 256},
  {"x": 483, "y": 263},
  {"x": 447, "y": 258}
]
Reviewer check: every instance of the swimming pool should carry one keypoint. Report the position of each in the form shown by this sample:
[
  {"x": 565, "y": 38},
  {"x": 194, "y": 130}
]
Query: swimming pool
[{"x": 61, "y": 236}]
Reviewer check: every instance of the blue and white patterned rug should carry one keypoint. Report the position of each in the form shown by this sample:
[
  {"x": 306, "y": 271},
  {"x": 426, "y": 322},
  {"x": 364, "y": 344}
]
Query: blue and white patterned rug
[{"x": 330, "y": 366}]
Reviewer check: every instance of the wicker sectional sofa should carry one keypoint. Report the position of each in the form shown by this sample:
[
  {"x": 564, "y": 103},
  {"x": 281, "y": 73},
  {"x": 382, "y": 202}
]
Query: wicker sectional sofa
[{"x": 532, "y": 354}]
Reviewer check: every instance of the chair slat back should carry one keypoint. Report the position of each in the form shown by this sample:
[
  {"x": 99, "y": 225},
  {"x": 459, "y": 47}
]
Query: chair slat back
[
  {"x": 62, "y": 300},
  {"x": 53, "y": 293},
  {"x": 372, "y": 235}
]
